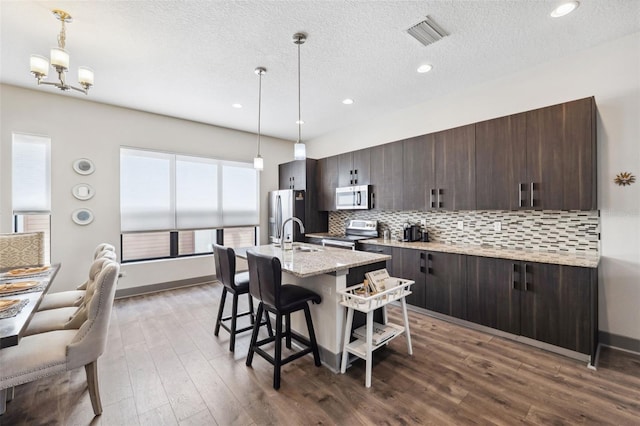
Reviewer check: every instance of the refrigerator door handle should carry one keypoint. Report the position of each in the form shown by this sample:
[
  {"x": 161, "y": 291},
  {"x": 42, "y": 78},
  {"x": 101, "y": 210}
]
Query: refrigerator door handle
[{"x": 278, "y": 217}]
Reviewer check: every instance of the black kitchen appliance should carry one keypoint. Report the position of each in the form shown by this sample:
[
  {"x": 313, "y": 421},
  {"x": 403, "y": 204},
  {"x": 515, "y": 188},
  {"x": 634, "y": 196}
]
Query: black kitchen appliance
[
  {"x": 356, "y": 230},
  {"x": 412, "y": 233}
]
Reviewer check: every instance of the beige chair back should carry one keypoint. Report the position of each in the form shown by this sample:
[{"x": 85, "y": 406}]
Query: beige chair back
[
  {"x": 90, "y": 341},
  {"x": 21, "y": 249},
  {"x": 103, "y": 247}
]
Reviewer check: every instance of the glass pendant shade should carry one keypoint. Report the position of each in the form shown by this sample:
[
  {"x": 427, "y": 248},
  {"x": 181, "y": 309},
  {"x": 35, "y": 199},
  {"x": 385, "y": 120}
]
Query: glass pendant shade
[
  {"x": 258, "y": 163},
  {"x": 85, "y": 76},
  {"x": 39, "y": 65},
  {"x": 59, "y": 58},
  {"x": 299, "y": 151}
]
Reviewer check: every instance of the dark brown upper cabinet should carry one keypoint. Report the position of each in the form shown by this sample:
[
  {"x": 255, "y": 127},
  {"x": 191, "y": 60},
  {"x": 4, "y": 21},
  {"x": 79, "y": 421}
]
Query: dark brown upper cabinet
[
  {"x": 455, "y": 166},
  {"x": 293, "y": 175},
  {"x": 386, "y": 176},
  {"x": 561, "y": 156},
  {"x": 328, "y": 182},
  {"x": 418, "y": 172},
  {"x": 354, "y": 168},
  {"x": 501, "y": 168}
]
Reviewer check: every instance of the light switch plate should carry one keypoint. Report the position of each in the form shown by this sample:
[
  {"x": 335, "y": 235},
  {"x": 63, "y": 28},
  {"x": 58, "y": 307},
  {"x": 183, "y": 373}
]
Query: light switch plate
[
  {"x": 460, "y": 225},
  {"x": 497, "y": 226},
  {"x": 423, "y": 223}
]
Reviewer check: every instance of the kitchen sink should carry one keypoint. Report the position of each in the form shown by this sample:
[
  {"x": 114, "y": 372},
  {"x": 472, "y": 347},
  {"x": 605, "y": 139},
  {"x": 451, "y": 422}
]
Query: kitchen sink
[{"x": 306, "y": 249}]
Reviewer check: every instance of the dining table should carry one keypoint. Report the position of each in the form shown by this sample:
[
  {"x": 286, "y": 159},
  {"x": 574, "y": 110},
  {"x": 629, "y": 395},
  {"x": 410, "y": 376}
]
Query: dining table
[{"x": 12, "y": 328}]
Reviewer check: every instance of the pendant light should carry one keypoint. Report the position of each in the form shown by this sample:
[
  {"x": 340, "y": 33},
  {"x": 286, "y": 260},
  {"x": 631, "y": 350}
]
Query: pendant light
[
  {"x": 299, "y": 149},
  {"x": 258, "y": 162}
]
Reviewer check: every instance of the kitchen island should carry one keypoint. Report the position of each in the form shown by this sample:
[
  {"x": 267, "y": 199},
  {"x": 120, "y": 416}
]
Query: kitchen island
[{"x": 324, "y": 270}]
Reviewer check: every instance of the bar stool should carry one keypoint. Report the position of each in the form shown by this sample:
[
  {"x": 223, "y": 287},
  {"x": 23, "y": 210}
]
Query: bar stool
[
  {"x": 281, "y": 300},
  {"x": 236, "y": 284}
]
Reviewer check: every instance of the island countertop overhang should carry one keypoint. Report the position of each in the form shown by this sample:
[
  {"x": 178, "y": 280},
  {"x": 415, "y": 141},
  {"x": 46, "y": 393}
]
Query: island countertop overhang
[{"x": 319, "y": 260}]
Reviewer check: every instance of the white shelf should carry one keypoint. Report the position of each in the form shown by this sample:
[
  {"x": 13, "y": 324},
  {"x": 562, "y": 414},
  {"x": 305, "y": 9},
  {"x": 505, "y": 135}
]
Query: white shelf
[{"x": 359, "y": 346}]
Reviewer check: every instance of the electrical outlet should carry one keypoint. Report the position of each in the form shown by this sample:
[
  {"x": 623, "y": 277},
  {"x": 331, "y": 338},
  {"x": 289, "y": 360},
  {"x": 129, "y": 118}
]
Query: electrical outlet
[
  {"x": 460, "y": 225},
  {"x": 423, "y": 223},
  {"x": 497, "y": 226}
]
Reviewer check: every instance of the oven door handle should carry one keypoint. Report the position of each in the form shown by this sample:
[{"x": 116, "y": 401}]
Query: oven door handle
[{"x": 349, "y": 244}]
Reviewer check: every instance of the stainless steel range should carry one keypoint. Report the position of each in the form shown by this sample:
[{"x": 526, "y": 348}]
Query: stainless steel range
[{"x": 356, "y": 230}]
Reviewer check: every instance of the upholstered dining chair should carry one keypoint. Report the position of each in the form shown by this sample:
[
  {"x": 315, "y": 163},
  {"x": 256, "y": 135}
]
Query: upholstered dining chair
[
  {"x": 70, "y": 317},
  {"x": 70, "y": 298},
  {"x": 21, "y": 249},
  {"x": 51, "y": 353}
]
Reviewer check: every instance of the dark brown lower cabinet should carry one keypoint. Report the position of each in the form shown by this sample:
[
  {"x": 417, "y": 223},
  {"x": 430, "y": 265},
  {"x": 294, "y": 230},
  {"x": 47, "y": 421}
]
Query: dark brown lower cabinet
[
  {"x": 439, "y": 280},
  {"x": 554, "y": 304}
]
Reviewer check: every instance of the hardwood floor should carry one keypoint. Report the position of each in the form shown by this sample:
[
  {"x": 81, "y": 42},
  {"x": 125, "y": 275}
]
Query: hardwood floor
[{"x": 163, "y": 366}]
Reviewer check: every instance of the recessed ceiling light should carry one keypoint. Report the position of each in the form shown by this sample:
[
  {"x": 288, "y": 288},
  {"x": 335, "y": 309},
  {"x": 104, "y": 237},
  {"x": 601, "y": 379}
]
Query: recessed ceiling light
[
  {"x": 236, "y": 106},
  {"x": 347, "y": 101},
  {"x": 299, "y": 121},
  {"x": 564, "y": 9},
  {"x": 424, "y": 68}
]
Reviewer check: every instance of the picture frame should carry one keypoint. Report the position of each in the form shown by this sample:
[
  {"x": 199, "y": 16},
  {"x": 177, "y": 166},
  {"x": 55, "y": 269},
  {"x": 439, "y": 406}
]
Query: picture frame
[{"x": 83, "y": 166}]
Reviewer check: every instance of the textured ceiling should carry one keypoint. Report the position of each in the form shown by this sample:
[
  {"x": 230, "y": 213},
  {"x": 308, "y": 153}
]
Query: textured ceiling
[{"x": 193, "y": 59}]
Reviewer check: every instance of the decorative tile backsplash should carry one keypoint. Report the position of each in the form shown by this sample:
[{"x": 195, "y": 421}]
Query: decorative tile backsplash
[{"x": 546, "y": 230}]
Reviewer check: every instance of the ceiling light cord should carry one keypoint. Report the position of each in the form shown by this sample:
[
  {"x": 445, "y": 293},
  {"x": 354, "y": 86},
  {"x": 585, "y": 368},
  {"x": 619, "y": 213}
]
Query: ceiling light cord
[
  {"x": 299, "y": 149},
  {"x": 258, "y": 162},
  {"x": 299, "y": 98}
]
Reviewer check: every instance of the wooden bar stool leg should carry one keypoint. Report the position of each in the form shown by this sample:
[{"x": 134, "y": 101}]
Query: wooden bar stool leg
[
  {"x": 347, "y": 338},
  {"x": 287, "y": 321},
  {"x": 223, "y": 298},
  {"x": 268, "y": 321},
  {"x": 252, "y": 315},
  {"x": 234, "y": 323},
  {"x": 254, "y": 337},
  {"x": 312, "y": 336},
  {"x": 277, "y": 359}
]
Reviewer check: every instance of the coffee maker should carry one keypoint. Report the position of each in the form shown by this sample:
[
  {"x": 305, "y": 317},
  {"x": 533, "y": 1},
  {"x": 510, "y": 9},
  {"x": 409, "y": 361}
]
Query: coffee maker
[{"x": 411, "y": 232}]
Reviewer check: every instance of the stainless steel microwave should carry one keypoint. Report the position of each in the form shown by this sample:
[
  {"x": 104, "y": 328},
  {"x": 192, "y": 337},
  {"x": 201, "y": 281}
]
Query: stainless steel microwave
[{"x": 354, "y": 197}]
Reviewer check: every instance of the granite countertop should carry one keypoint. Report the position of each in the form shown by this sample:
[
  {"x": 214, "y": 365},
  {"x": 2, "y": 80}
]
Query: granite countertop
[
  {"x": 320, "y": 260},
  {"x": 553, "y": 257}
]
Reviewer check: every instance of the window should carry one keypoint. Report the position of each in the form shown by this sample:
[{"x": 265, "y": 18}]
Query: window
[
  {"x": 177, "y": 205},
  {"x": 31, "y": 185}
]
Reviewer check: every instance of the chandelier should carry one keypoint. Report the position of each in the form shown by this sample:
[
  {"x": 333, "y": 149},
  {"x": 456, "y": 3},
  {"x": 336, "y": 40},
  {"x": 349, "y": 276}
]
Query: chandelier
[
  {"x": 60, "y": 61},
  {"x": 299, "y": 149}
]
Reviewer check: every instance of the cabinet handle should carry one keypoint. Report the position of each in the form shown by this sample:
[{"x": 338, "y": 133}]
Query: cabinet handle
[
  {"x": 355, "y": 181},
  {"x": 526, "y": 281},
  {"x": 439, "y": 202},
  {"x": 429, "y": 264},
  {"x": 532, "y": 189},
  {"x": 431, "y": 198},
  {"x": 521, "y": 187},
  {"x": 514, "y": 271},
  {"x": 422, "y": 264},
  {"x": 373, "y": 199},
  {"x": 351, "y": 177}
]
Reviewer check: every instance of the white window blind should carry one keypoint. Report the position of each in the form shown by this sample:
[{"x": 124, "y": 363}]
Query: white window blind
[
  {"x": 240, "y": 195},
  {"x": 146, "y": 190},
  {"x": 31, "y": 174},
  {"x": 197, "y": 199},
  {"x": 163, "y": 192}
]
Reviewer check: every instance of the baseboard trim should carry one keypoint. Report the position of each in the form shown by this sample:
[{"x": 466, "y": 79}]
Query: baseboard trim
[
  {"x": 169, "y": 285},
  {"x": 616, "y": 341}
]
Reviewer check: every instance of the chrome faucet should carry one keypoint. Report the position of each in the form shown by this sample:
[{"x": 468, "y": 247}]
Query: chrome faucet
[{"x": 292, "y": 218}]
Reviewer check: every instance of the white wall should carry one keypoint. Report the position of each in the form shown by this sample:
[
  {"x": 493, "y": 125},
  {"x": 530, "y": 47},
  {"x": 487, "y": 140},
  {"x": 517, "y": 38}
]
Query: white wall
[
  {"x": 611, "y": 73},
  {"x": 80, "y": 128}
]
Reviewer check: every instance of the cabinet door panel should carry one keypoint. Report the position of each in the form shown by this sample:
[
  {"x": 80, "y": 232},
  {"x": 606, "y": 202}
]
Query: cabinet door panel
[
  {"x": 284, "y": 181},
  {"x": 328, "y": 179},
  {"x": 418, "y": 172},
  {"x": 456, "y": 168},
  {"x": 413, "y": 268},
  {"x": 501, "y": 163},
  {"x": 374, "y": 248},
  {"x": 492, "y": 299},
  {"x": 345, "y": 169},
  {"x": 561, "y": 156},
  {"x": 386, "y": 176},
  {"x": 361, "y": 166},
  {"x": 556, "y": 304},
  {"x": 445, "y": 283}
]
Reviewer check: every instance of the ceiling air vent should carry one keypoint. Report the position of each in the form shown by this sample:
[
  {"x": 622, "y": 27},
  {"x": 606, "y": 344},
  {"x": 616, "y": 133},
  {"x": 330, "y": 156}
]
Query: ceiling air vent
[{"x": 427, "y": 32}]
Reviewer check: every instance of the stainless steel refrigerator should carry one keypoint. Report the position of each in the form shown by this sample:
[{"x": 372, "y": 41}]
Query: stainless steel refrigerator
[{"x": 284, "y": 204}]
